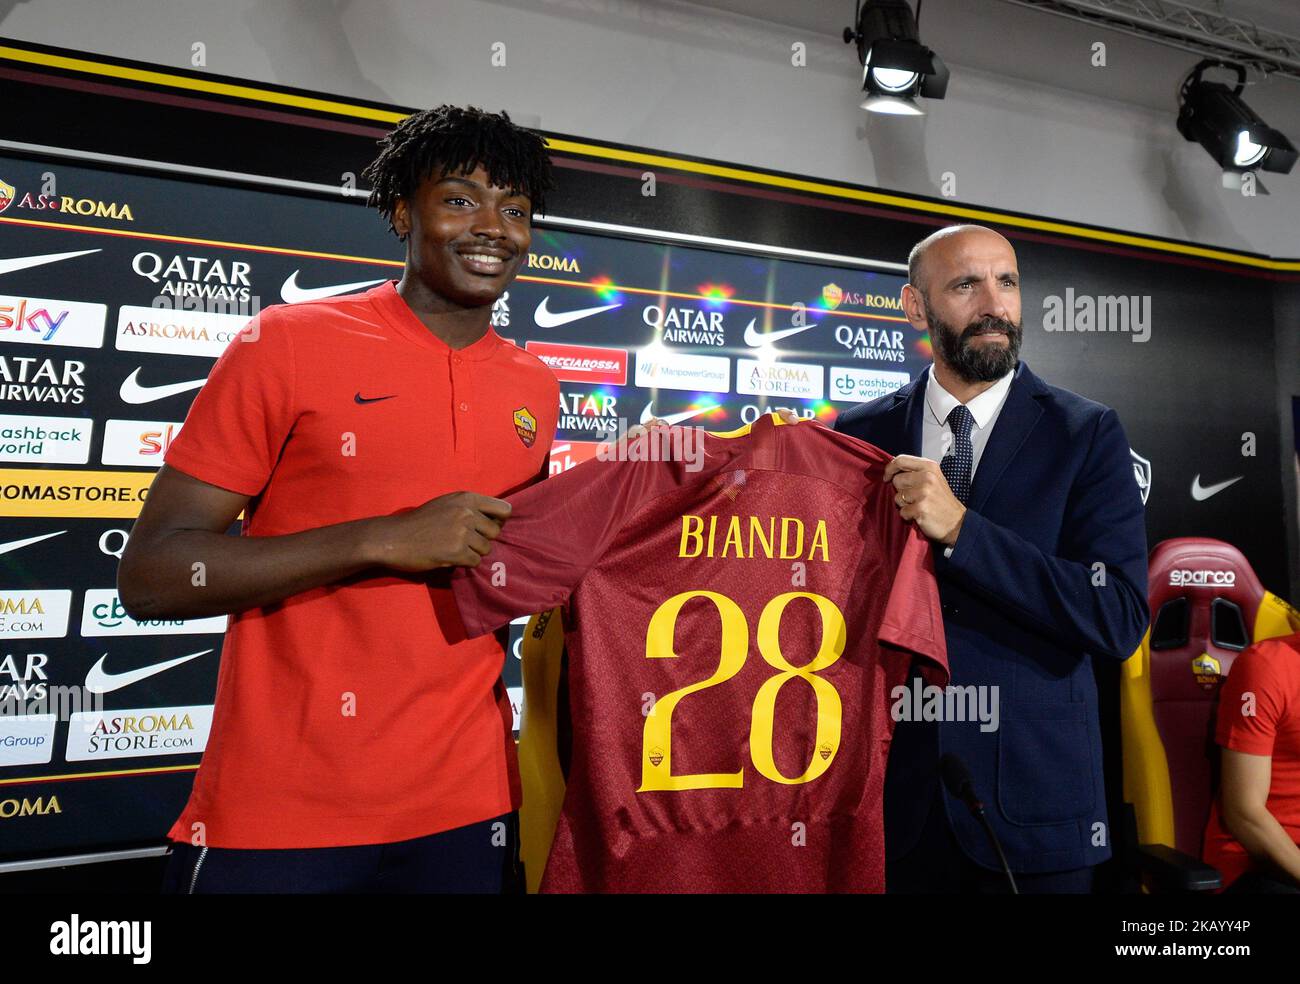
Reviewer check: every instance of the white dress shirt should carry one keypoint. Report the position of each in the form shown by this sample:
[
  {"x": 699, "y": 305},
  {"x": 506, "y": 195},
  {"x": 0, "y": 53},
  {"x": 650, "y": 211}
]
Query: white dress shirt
[{"x": 936, "y": 435}]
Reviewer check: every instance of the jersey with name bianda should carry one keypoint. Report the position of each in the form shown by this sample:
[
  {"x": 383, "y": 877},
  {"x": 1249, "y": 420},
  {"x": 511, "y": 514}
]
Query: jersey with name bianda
[{"x": 736, "y": 617}]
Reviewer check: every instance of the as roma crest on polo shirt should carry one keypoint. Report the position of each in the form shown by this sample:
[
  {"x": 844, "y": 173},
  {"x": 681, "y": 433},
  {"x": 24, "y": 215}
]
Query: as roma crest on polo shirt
[
  {"x": 1208, "y": 672},
  {"x": 526, "y": 426}
]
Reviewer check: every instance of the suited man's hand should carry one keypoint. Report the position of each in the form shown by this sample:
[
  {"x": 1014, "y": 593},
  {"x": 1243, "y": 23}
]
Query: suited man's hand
[{"x": 923, "y": 496}]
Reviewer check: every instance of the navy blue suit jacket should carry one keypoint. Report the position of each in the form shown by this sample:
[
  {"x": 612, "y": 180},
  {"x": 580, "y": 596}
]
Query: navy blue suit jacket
[{"x": 1025, "y": 609}]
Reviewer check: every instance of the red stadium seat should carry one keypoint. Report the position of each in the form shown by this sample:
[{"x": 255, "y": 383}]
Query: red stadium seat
[{"x": 1207, "y": 605}]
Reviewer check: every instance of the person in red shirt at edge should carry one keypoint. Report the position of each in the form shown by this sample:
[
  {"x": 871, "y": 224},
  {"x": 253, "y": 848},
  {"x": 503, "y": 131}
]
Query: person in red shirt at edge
[
  {"x": 1255, "y": 821},
  {"x": 359, "y": 742}
]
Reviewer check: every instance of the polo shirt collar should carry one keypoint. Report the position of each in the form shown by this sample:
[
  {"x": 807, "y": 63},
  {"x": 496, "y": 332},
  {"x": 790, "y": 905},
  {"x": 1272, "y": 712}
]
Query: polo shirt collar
[{"x": 398, "y": 313}]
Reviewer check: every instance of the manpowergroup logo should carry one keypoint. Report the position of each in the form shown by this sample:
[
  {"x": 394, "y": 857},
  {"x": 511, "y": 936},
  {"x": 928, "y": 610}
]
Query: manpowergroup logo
[{"x": 657, "y": 368}]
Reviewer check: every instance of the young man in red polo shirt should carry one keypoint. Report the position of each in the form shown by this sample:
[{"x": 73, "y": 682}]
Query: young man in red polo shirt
[
  {"x": 1253, "y": 837},
  {"x": 359, "y": 742}
]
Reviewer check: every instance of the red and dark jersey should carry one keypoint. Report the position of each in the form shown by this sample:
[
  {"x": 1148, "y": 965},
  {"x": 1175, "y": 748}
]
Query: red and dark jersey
[{"x": 734, "y": 632}]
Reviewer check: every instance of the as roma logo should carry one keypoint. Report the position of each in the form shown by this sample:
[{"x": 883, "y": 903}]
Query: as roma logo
[
  {"x": 1207, "y": 671},
  {"x": 526, "y": 426},
  {"x": 6, "y": 195}
]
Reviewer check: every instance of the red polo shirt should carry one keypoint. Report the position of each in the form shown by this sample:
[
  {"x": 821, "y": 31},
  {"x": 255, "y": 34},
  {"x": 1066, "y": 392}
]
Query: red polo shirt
[
  {"x": 1270, "y": 671},
  {"x": 357, "y": 712}
]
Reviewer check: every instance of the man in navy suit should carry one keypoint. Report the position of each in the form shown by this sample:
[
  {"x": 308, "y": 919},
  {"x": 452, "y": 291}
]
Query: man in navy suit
[{"x": 1026, "y": 492}]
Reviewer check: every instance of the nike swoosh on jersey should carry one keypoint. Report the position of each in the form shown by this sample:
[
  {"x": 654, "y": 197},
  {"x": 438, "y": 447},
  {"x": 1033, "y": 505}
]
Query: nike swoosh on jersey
[
  {"x": 133, "y": 391},
  {"x": 19, "y": 544},
  {"x": 673, "y": 418},
  {"x": 100, "y": 681},
  {"x": 546, "y": 318},
  {"x": 371, "y": 399},
  {"x": 754, "y": 339},
  {"x": 291, "y": 293},
  {"x": 1201, "y": 493},
  {"x": 12, "y": 263}
]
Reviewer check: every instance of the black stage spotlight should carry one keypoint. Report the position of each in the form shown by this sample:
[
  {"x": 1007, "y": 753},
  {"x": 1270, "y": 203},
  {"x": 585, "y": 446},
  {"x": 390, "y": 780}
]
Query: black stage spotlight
[
  {"x": 896, "y": 67},
  {"x": 1216, "y": 117}
]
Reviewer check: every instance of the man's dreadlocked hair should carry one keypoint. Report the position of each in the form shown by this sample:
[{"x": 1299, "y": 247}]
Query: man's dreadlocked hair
[{"x": 450, "y": 140}]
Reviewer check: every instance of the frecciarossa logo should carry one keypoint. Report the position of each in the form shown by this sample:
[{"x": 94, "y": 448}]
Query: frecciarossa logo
[{"x": 582, "y": 363}]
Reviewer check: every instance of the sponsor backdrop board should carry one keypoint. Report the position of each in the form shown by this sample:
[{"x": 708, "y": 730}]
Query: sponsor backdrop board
[{"x": 117, "y": 293}]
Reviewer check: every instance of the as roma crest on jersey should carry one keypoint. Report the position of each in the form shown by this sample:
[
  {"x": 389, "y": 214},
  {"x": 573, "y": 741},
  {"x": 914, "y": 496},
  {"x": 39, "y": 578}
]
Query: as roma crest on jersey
[
  {"x": 6, "y": 195},
  {"x": 526, "y": 426}
]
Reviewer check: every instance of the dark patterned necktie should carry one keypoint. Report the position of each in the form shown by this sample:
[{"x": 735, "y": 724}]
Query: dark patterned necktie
[{"x": 957, "y": 466}]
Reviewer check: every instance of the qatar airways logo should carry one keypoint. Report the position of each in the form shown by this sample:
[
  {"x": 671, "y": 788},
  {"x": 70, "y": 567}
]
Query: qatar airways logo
[
  {"x": 1202, "y": 579},
  {"x": 686, "y": 325}
]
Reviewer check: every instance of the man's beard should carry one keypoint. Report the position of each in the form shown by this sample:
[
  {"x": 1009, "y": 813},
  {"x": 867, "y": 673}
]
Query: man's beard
[{"x": 976, "y": 363}]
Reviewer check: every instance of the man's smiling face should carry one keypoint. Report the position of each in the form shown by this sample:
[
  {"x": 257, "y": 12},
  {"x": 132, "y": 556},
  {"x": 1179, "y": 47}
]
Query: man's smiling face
[{"x": 466, "y": 238}]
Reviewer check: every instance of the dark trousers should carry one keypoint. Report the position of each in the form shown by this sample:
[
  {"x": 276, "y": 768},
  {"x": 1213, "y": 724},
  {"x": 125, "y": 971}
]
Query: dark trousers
[
  {"x": 479, "y": 858},
  {"x": 936, "y": 864}
]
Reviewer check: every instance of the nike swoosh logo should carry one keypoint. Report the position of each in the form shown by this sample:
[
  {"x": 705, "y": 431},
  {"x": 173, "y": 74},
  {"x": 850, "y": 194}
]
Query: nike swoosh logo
[
  {"x": 291, "y": 293},
  {"x": 1201, "y": 493},
  {"x": 133, "y": 391},
  {"x": 546, "y": 318},
  {"x": 371, "y": 399},
  {"x": 100, "y": 681},
  {"x": 673, "y": 418},
  {"x": 19, "y": 544},
  {"x": 25, "y": 262},
  {"x": 754, "y": 339}
]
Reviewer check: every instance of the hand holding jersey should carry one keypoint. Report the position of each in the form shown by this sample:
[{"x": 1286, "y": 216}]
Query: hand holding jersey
[
  {"x": 451, "y": 530},
  {"x": 925, "y": 498}
]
